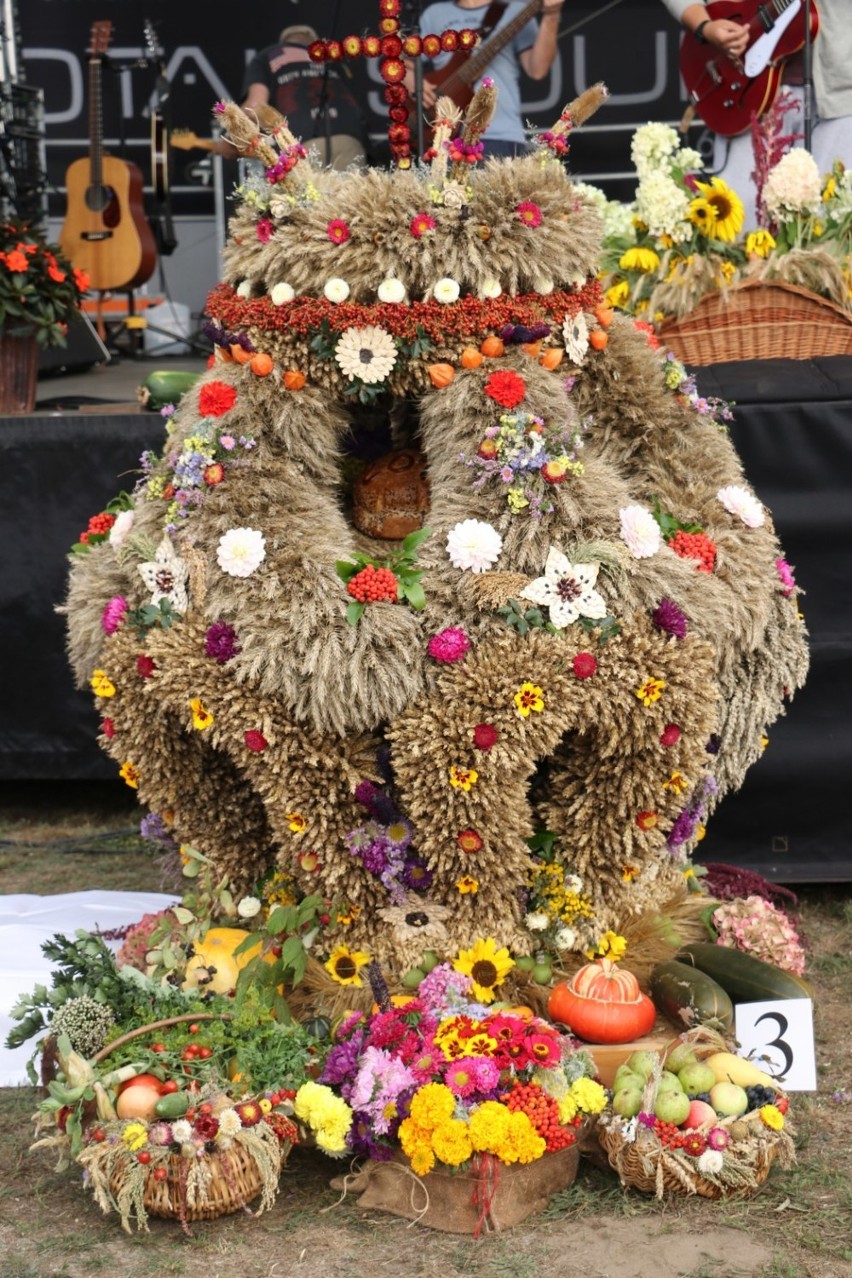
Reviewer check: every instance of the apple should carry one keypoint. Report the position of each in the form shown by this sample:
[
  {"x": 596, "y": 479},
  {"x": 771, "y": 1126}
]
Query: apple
[
  {"x": 728, "y": 1099},
  {"x": 669, "y": 1082},
  {"x": 627, "y": 1101},
  {"x": 679, "y": 1057},
  {"x": 642, "y": 1062},
  {"x": 696, "y": 1078},
  {"x": 700, "y": 1115},
  {"x": 672, "y": 1106}
]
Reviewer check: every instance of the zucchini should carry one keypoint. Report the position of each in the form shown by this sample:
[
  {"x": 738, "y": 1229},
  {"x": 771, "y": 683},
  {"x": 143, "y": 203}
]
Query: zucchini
[
  {"x": 173, "y": 1105},
  {"x": 745, "y": 978},
  {"x": 688, "y": 997},
  {"x": 165, "y": 386}
]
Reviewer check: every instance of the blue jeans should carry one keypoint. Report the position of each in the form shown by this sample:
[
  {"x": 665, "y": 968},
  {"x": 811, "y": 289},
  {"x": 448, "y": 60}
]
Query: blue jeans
[{"x": 499, "y": 147}]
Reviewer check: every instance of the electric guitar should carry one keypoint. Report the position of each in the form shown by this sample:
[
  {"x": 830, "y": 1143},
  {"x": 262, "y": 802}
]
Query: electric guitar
[
  {"x": 727, "y": 94},
  {"x": 164, "y": 232},
  {"x": 106, "y": 233},
  {"x": 456, "y": 80}
]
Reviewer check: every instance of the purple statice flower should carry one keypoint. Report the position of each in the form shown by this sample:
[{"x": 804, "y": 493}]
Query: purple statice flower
[
  {"x": 442, "y": 987},
  {"x": 341, "y": 1064},
  {"x": 153, "y": 827},
  {"x": 683, "y": 829},
  {"x": 148, "y": 461},
  {"x": 168, "y": 410},
  {"x": 189, "y": 471},
  {"x": 220, "y": 642},
  {"x": 668, "y": 617},
  {"x": 374, "y": 858}
]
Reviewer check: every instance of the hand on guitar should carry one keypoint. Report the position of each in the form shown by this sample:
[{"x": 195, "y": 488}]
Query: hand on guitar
[{"x": 728, "y": 37}]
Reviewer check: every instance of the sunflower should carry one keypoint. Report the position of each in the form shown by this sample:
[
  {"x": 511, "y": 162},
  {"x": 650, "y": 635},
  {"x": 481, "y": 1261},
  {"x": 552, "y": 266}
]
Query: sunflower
[
  {"x": 703, "y": 215},
  {"x": 727, "y": 207},
  {"x": 345, "y": 965},
  {"x": 639, "y": 259},
  {"x": 366, "y": 353},
  {"x": 487, "y": 967}
]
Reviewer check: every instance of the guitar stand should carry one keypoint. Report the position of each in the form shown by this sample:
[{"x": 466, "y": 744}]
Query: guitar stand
[{"x": 135, "y": 324}]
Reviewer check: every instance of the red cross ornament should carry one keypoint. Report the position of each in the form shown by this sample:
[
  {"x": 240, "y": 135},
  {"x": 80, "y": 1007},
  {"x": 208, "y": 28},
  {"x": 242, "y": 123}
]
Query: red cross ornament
[{"x": 390, "y": 47}]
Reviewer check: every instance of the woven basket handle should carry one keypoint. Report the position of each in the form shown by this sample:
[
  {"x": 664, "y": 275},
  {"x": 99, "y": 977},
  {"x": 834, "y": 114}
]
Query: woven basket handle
[{"x": 156, "y": 1025}]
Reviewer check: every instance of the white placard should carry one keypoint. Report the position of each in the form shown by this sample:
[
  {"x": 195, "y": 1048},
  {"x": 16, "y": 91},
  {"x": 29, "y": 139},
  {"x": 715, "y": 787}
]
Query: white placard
[{"x": 778, "y": 1036}]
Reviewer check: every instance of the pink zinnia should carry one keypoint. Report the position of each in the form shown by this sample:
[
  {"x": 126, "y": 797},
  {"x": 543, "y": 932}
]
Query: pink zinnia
[
  {"x": 448, "y": 645},
  {"x": 113, "y": 614}
]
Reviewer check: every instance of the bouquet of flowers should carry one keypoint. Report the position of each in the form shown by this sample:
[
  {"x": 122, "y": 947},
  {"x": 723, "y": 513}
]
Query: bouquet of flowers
[
  {"x": 39, "y": 289},
  {"x": 449, "y": 1080}
]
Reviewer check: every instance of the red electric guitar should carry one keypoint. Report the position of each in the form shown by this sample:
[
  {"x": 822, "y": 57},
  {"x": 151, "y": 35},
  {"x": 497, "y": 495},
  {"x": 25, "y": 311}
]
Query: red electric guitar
[
  {"x": 106, "y": 233},
  {"x": 728, "y": 94}
]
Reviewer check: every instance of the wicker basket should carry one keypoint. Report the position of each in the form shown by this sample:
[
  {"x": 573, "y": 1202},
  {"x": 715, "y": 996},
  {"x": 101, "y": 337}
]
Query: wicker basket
[
  {"x": 759, "y": 321},
  {"x": 644, "y": 1163}
]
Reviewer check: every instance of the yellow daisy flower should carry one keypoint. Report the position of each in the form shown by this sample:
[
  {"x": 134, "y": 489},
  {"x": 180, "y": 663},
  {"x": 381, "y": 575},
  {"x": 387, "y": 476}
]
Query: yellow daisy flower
[
  {"x": 295, "y": 821},
  {"x": 467, "y": 884},
  {"x": 617, "y": 294},
  {"x": 677, "y": 783},
  {"x": 702, "y": 214}
]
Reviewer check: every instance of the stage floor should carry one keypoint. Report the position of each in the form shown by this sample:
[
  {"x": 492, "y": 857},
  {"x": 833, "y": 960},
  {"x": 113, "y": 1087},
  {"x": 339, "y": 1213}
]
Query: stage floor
[{"x": 107, "y": 387}]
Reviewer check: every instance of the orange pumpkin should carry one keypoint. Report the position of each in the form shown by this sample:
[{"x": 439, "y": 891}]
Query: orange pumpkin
[
  {"x": 552, "y": 358},
  {"x": 492, "y": 346},
  {"x": 603, "y": 314},
  {"x": 602, "y": 1003},
  {"x": 598, "y": 339},
  {"x": 223, "y": 355},
  {"x": 471, "y": 357},
  {"x": 294, "y": 380},
  {"x": 441, "y": 374},
  {"x": 531, "y": 348},
  {"x": 261, "y": 364},
  {"x": 239, "y": 354}
]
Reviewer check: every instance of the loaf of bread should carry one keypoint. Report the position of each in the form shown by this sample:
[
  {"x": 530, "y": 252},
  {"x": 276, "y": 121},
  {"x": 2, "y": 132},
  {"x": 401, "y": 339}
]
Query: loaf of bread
[{"x": 392, "y": 495}]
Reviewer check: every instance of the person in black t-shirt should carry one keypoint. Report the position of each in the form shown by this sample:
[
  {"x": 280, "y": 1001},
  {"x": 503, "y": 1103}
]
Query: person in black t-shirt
[{"x": 315, "y": 97}]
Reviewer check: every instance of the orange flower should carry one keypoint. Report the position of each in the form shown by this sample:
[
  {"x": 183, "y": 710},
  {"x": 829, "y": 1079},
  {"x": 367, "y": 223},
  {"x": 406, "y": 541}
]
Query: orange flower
[{"x": 16, "y": 260}]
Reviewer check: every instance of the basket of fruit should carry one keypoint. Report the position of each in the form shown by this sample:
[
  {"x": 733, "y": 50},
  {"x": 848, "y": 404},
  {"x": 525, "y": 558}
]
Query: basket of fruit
[{"x": 695, "y": 1119}]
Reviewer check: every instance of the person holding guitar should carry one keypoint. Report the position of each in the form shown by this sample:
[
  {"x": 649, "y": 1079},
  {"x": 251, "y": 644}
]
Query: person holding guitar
[
  {"x": 510, "y": 41},
  {"x": 736, "y": 57}
]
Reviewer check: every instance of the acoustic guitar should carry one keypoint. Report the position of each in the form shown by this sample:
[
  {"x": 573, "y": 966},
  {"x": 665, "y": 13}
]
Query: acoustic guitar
[
  {"x": 728, "y": 95},
  {"x": 105, "y": 232},
  {"x": 184, "y": 140}
]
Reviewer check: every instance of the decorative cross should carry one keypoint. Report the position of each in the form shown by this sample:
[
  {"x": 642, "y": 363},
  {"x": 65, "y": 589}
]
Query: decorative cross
[{"x": 390, "y": 47}]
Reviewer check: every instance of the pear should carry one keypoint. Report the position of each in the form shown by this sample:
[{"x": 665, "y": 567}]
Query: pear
[
  {"x": 642, "y": 1062},
  {"x": 679, "y": 1057},
  {"x": 696, "y": 1078},
  {"x": 669, "y": 1083},
  {"x": 625, "y": 1077},
  {"x": 627, "y": 1101}
]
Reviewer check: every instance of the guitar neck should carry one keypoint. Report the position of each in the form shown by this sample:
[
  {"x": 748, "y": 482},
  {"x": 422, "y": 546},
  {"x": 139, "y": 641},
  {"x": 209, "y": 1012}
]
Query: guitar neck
[
  {"x": 479, "y": 60},
  {"x": 96, "y": 123}
]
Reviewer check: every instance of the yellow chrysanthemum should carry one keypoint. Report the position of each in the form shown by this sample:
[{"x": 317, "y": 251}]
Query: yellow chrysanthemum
[
  {"x": 487, "y": 967},
  {"x": 617, "y": 294},
  {"x": 529, "y": 697},
  {"x": 413, "y": 1137},
  {"x": 567, "y": 1108},
  {"x": 451, "y": 1142},
  {"x": 727, "y": 206},
  {"x": 639, "y": 259},
  {"x": 772, "y": 1117},
  {"x": 129, "y": 773},
  {"x": 432, "y": 1105},
  {"x": 587, "y": 1095},
  {"x": 759, "y": 243},
  {"x": 201, "y": 716},
  {"x": 422, "y": 1160},
  {"x": 524, "y": 1141},
  {"x": 650, "y": 691},
  {"x": 344, "y": 965},
  {"x": 135, "y": 1135},
  {"x": 101, "y": 684}
]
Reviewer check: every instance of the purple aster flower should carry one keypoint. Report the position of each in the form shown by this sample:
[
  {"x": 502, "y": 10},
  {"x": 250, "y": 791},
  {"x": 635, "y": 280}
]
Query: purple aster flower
[
  {"x": 341, "y": 1064},
  {"x": 361, "y": 1140},
  {"x": 667, "y": 616},
  {"x": 220, "y": 642},
  {"x": 377, "y": 803},
  {"x": 374, "y": 858},
  {"x": 682, "y": 829},
  {"x": 416, "y": 875}
]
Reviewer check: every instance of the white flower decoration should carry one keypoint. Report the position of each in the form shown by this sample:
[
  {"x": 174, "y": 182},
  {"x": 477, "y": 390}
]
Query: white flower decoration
[
  {"x": 566, "y": 590},
  {"x": 182, "y": 1129},
  {"x": 640, "y": 531},
  {"x": 490, "y": 288},
  {"x": 537, "y": 921},
  {"x": 248, "y": 907},
  {"x": 120, "y": 530},
  {"x": 282, "y": 293},
  {"x": 544, "y": 285},
  {"x": 575, "y": 335},
  {"x": 391, "y": 290},
  {"x": 474, "y": 544},
  {"x": 565, "y": 938},
  {"x": 244, "y": 289},
  {"x": 710, "y": 1162},
  {"x": 241, "y": 551},
  {"x": 166, "y": 576},
  {"x": 336, "y": 290},
  {"x": 572, "y": 883},
  {"x": 740, "y": 502},
  {"x": 446, "y": 290},
  {"x": 229, "y": 1122},
  {"x": 366, "y": 353}
]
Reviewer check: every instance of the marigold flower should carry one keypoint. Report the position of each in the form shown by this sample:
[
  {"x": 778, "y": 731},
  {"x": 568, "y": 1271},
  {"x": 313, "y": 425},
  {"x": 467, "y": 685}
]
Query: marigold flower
[
  {"x": 201, "y": 716},
  {"x": 467, "y": 885},
  {"x": 129, "y": 773}
]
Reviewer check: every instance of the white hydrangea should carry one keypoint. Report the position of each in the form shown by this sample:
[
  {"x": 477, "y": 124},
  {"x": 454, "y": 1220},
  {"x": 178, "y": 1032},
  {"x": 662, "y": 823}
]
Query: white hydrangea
[
  {"x": 618, "y": 221},
  {"x": 793, "y": 187},
  {"x": 591, "y": 194},
  {"x": 662, "y": 205},
  {"x": 652, "y": 147}
]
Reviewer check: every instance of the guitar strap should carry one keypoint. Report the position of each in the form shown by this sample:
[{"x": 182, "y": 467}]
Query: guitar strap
[{"x": 493, "y": 14}]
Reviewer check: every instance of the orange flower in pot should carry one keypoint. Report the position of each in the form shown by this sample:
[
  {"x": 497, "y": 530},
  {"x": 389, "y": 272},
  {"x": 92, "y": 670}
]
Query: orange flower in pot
[{"x": 602, "y": 1003}]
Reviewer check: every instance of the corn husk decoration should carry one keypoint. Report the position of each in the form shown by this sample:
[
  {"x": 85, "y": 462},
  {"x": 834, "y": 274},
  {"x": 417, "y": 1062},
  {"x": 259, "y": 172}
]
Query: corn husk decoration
[
  {"x": 573, "y": 116},
  {"x": 447, "y": 120}
]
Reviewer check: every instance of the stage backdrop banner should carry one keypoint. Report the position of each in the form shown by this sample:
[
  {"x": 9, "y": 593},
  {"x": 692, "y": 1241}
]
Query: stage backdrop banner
[{"x": 630, "y": 44}]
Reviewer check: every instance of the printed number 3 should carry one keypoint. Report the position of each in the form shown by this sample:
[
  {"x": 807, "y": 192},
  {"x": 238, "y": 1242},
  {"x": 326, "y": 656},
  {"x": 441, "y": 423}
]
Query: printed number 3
[{"x": 779, "y": 1042}]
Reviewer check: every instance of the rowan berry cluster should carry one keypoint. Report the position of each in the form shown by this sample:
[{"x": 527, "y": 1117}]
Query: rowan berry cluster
[
  {"x": 543, "y": 1112},
  {"x": 695, "y": 545},
  {"x": 99, "y": 526},
  {"x": 669, "y": 1134},
  {"x": 371, "y": 585}
]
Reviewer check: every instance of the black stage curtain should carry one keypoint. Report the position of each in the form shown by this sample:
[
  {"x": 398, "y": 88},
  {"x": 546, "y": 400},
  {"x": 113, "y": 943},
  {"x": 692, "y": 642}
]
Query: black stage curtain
[{"x": 793, "y": 430}]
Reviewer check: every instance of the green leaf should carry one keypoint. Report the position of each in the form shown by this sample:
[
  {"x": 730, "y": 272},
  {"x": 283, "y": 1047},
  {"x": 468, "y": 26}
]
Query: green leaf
[
  {"x": 415, "y": 594},
  {"x": 290, "y": 951},
  {"x": 280, "y": 920},
  {"x": 183, "y": 915},
  {"x": 354, "y": 612},
  {"x": 415, "y": 539},
  {"x": 346, "y": 569}
]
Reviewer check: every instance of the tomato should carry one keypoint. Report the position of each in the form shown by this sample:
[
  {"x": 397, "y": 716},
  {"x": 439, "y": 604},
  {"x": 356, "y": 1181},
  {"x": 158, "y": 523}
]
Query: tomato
[
  {"x": 143, "y": 1156},
  {"x": 170, "y": 1086},
  {"x": 158, "y": 1047},
  {"x": 205, "y": 1053}
]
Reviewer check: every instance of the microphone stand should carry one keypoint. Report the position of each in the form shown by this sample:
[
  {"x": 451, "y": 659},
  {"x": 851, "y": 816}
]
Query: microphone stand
[
  {"x": 808, "y": 79},
  {"x": 415, "y": 28}
]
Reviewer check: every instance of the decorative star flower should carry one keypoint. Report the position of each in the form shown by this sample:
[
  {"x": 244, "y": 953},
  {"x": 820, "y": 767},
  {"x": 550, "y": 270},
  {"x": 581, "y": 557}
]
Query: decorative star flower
[
  {"x": 166, "y": 576},
  {"x": 368, "y": 353},
  {"x": 575, "y": 334},
  {"x": 566, "y": 590}
]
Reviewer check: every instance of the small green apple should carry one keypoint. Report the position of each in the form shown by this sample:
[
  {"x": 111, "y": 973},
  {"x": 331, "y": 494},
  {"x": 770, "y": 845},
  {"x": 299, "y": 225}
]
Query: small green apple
[
  {"x": 679, "y": 1057},
  {"x": 642, "y": 1062},
  {"x": 625, "y": 1077},
  {"x": 728, "y": 1099}
]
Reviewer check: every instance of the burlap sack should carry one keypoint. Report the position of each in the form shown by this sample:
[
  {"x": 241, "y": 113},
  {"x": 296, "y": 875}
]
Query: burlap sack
[{"x": 488, "y": 1198}]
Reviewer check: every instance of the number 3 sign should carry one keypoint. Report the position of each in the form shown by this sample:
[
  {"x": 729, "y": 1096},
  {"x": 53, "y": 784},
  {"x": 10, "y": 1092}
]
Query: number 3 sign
[{"x": 779, "y": 1037}]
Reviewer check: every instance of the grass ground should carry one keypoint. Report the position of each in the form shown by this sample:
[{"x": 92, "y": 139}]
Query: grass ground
[{"x": 799, "y": 1225}]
